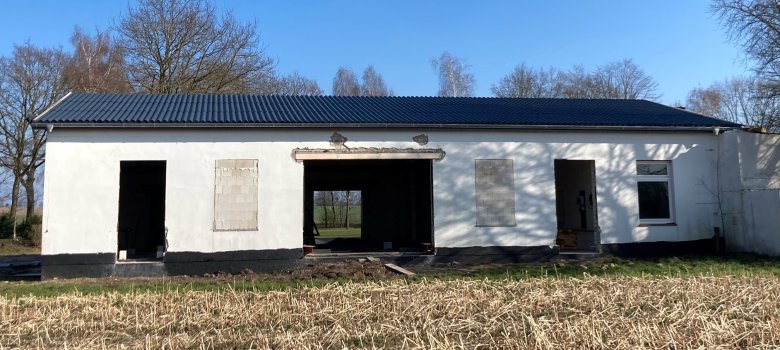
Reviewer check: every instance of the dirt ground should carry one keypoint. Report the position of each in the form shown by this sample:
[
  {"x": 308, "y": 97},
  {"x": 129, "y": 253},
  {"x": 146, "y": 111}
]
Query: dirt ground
[
  {"x": 361, "y": 269},
  {"x": 357, "y": 271},
  {"x": 348, "y": 270},
  {"x": 353, "y": 270}
]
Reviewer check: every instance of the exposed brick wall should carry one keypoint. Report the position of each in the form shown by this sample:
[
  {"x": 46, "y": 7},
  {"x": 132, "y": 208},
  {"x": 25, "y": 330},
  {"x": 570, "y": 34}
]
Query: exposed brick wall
[{"x": 235, "y": 195}]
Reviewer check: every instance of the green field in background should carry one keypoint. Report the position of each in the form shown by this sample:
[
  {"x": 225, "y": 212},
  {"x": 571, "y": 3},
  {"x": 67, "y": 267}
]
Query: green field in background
[
  {"x": 339, "y": 232},
  {"x": 354, "y": 214}
]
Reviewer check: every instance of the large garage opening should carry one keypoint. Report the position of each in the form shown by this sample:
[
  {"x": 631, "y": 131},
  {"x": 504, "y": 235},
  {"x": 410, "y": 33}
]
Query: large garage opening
[
  {"x": 141, "y": 224},
  {"x": 389, "y": 208},
  {"x": 576, "y": 205}
]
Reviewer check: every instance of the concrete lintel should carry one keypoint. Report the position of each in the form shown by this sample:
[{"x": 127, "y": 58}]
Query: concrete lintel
[{"x": 301, "y": 154}]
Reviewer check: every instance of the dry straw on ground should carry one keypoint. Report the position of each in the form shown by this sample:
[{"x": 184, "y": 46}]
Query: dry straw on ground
[{"x": 604, "y": 313}]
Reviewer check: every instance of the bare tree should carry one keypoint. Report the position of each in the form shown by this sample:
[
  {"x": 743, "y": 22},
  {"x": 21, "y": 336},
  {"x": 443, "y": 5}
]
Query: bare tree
[
  {"x": 321, "y": 200},
  {"x": 345, "y": 83},
  {"x": 333, "y": 208},
  {"x": 706, "y": 101},
  {"x": 97, "y": 64},
  {"x": 374, "y": 84},
  {"x": 454, "y": 78},
  {"x": 527, "y": 82},
  {"x": 294, "y": 84},
  {"x": 740, "y": 100},
  {"x": 183, "y": 46},
  {"x": 617, "y": 80},
  {"x": 623, "y": 80},
  {"x": 756, "y": 25},
  {"x": 333, "y": 203},
  {"x": 575, "y": 83},
  {"x": 30, "y": 82},
  {"x": 347, "y": 199}
]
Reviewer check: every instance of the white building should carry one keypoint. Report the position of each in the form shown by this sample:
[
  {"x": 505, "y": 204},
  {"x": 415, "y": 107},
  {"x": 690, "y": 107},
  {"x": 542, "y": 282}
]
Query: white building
[{"x": 203, "y": 183}]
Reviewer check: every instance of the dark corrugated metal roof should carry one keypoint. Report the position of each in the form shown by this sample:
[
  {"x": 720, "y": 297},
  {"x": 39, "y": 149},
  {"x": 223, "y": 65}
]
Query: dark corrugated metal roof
[{"x": 243, "y": 110}]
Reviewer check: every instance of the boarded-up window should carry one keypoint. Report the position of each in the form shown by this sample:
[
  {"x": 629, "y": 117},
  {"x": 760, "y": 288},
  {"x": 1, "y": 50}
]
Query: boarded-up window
[
  {"x": 235, "y": 195},
  {"x": 495, "y": 192}
]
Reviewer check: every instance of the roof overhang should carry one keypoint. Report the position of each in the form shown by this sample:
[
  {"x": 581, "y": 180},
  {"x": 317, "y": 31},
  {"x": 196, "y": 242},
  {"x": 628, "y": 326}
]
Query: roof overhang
[{"x": 50, "y": 126}]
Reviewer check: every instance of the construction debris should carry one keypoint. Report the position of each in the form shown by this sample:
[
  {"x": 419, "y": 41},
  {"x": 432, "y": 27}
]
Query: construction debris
[
  {"x": 567, "y": 239},
  {"x": 401, "y": 270}
]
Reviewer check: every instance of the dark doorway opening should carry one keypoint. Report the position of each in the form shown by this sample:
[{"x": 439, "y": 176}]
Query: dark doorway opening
[
  {"x": 576, "y": 205},
  {"x": 141, "y": 225},
  {"x": 396, "y": 206}
]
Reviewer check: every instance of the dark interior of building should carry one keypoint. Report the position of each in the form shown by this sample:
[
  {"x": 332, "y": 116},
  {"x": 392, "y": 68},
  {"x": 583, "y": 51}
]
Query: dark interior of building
[
  {"x": 396, "y": 203},
  {"x": 576, "y": 203},
  {"x": 141, "y": 224}
]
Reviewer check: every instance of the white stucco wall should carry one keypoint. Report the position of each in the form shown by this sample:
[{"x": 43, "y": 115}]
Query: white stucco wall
[
  {"x": 750, "y": 185},
  {"x": 82, "y": 178},
  {"x": 615, "y": 155}
]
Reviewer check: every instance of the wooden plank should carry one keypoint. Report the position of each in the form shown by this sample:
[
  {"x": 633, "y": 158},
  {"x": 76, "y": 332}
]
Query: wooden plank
[{"x": 396, "y": 268}]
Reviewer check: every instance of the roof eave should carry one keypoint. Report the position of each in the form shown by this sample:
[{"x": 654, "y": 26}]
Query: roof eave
[{"x": 41, "y": 125}]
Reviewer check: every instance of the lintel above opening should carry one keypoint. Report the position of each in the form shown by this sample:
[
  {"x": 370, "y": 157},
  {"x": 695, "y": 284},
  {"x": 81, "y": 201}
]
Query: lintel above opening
[{"x": 301, "y": 154}]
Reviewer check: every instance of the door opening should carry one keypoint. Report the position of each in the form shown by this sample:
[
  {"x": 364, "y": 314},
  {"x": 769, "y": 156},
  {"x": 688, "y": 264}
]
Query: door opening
[
  {"x": 141, "y": 224},
  {"x": 576, "y": 205},
  {"x": 390, "y": 206}
]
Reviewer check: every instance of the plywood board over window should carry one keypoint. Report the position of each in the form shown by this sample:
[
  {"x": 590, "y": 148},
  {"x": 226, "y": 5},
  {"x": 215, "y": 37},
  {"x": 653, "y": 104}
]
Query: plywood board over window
[
  {"x": 495, "y": 192},
  {"x": 235, "y": 195}
]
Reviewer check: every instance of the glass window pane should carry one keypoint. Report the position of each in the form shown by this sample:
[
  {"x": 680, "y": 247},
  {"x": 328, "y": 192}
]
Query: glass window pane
[
  {"x": 654, "y": 200},
  {"x": 652, "y": 169}
]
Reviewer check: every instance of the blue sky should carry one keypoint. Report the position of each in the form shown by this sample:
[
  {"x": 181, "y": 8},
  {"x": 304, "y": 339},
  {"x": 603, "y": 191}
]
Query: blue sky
[{"x": 676, "y": 42}]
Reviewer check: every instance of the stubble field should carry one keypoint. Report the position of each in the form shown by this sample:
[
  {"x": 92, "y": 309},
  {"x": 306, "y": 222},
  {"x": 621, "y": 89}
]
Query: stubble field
[{"x": 599, "y": 312}]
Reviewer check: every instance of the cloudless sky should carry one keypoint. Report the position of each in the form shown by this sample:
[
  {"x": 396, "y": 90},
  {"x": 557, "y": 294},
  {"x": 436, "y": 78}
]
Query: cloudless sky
[{"x": 679, "y": 43}]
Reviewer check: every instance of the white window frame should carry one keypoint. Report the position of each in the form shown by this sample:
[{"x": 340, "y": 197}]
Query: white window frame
[{"x": 668, "y": 178}]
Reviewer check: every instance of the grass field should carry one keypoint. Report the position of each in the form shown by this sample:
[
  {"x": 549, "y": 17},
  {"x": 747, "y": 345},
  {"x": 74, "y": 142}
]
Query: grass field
[
  {"x": 354, "y": 214},
  {"x": 605, "y": 304},
  {"x": 9, "y": 247},
  {"x": 340, "y": 232}
]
